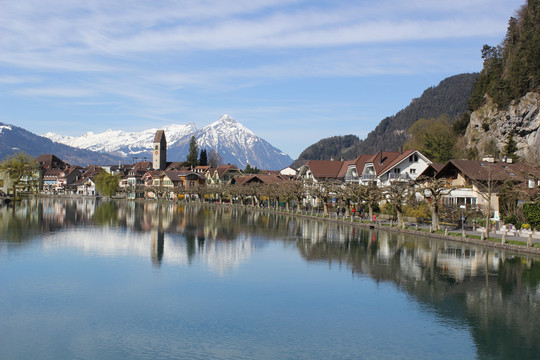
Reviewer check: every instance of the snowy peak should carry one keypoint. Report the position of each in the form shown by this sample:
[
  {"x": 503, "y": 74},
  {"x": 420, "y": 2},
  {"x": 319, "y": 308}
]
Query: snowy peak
[
  {"x": 233, "y": 141},
  {"x": 226, "y": 124}
]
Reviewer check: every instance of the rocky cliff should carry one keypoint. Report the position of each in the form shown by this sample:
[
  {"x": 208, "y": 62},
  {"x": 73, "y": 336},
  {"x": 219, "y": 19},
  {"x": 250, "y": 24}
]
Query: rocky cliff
[{"x": 490, "y": 127}]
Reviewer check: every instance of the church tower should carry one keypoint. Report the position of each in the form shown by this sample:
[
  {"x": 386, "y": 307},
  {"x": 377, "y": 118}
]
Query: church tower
[{"x": 159, "y": 154}]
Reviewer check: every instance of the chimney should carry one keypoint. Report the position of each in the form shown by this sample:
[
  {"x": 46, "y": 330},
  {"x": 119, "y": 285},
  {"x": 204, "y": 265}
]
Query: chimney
[{"x": 380, "y": 157}]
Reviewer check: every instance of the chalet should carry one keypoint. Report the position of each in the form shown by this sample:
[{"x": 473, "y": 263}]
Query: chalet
[
  {"x": 477, "y": 180},
  {"x": 223, "y": 174},
  {"x": 406, "y": 166},
  {"x": 289, "y": 172},
  {"x": 381, "y": 168},
  {"x": 323, "y": 170}
]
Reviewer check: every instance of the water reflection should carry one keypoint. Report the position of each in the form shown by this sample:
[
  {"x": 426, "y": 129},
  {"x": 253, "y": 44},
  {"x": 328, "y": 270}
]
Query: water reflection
[{"x": 495, "y": 292}]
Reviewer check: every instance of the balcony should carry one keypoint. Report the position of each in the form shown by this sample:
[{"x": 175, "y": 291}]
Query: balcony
[
  {"x": 399, "y": 177},
  {"x": 369, "y": 178}
]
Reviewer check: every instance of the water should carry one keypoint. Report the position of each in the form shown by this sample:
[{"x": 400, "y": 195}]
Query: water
[{"x": 85, "y": 280}]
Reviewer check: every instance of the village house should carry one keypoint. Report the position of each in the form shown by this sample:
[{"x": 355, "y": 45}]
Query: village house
[
  {"x": 477, "y": 183},
  {"x": 58, "y": 181},
  {"x": 223, "y": 174},
  {"x": 86, "y": 185},
  {"x": 269, "y": 179},
  {"x": 381, "y": 168}
]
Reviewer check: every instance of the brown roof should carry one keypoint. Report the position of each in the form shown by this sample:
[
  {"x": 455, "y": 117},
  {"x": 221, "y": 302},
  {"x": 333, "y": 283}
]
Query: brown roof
[
  {"x": 222, "y": 169},
  {"x": 177, "y": 166},
  {"x": 160, "y": 137},
  {"x": 259, "y": 178},
  {"x": 432, "y": 170},
  {"x": 326, "y": 169},
  {"x": 50, "y": 161},
  {"x": 484, "y": 171},
  {"x": 142, "y": 165},
  {"x": 396, "y": 161},
  {"x": 382, "y": 159},
  {"x": 174, "y": 176}
]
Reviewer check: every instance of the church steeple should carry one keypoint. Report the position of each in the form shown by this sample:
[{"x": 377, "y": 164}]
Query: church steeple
[{"x": 159, "y": 153}]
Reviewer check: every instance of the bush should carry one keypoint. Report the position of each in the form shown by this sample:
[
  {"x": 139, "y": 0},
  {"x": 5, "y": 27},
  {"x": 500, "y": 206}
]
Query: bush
[
  {"x": 532, "y": 214},
  {"x": 418, "y": 211},
  {"x": 510, "y": 219}
]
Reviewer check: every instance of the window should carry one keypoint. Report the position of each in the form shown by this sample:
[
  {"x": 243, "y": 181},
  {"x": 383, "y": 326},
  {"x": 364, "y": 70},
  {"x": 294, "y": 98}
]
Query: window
[
  {"x": 157, "y": 147},
  {"x": 413, "y": 158},
  {"x": 412, "y": 171}
]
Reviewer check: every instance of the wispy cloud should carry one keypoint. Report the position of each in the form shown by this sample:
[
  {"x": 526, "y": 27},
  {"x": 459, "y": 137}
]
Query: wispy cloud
[
  {"x": 55, "y": 92},
  {"x": 163, "y": 59}
]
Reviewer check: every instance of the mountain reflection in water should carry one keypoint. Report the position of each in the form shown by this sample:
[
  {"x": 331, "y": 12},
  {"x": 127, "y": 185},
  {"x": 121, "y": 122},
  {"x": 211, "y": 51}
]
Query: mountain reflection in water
[{"x": 495, "y": 292}]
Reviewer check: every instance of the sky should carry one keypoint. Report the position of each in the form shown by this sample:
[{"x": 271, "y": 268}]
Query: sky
[{"x": 292, "y": 71}]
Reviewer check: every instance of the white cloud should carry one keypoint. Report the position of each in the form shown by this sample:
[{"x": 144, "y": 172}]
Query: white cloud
[{"x": 56, "y": 92}]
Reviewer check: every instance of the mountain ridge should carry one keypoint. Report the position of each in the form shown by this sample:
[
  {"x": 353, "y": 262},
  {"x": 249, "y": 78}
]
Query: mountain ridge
[
  {"x": 235, "y": 143},
  {"x": 14, "y": 139}
]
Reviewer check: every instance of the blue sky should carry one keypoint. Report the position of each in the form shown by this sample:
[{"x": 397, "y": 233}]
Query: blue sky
[{"x": 292, "y": 71}]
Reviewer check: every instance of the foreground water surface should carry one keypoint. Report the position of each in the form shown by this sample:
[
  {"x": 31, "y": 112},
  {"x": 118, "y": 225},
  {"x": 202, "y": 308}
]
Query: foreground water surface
[{"x": 87, "y": 279}]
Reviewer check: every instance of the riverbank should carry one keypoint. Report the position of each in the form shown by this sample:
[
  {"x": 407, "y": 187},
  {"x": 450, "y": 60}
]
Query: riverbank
[{"x": 518, "y": 244}]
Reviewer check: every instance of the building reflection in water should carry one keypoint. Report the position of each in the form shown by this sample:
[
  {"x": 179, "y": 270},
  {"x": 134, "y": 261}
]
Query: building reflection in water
[
  {"x": 158, "y": 240},
  {"x": 453, "y": 279},
  {"x": 223, "y": 237}
]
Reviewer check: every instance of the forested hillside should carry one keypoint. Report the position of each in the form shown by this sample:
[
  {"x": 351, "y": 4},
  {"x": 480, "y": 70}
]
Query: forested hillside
[
  {"x": 503, "y": 118},
  {"x": 449, "y": 98},
  {"x": 511, "y": 69},
  {"x": 336, "y": 147}
]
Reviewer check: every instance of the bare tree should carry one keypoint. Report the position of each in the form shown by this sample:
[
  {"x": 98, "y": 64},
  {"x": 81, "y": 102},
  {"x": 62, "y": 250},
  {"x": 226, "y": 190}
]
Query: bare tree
[
  {"x": 433, "y": 190},
  {"x": 369, "y": 195},
  {"x": 214, "y": 159},
  {"x": 396, "y": 194}
]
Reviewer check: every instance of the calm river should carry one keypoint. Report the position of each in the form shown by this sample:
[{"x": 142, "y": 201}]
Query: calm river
[{"x": 87, "y": 279}]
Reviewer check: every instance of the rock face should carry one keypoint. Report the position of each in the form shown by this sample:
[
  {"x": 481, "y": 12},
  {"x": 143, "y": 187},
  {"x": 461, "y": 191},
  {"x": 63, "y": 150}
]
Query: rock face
[{"x": 490, "y": 127}]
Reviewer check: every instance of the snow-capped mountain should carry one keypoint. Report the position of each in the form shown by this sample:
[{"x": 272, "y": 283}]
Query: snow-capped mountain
[
  {"x": 124, "y": 143},
  {"x": 14, "y": 139},
  {"x": 235, "y": 143}
]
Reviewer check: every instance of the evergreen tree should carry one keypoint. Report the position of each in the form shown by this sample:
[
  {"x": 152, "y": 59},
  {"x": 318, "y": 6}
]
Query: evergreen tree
[
  {"x": 251, "y": 170},
  {"x": 203, "y": 158},
  {"x": 192, "y": 158},
  {"x": 510, "y": 148},
  {"x": 513, "y": 68}
]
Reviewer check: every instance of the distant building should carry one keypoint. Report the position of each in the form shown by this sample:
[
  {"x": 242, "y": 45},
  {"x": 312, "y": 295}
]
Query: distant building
[{"x": 159, "y": 154}]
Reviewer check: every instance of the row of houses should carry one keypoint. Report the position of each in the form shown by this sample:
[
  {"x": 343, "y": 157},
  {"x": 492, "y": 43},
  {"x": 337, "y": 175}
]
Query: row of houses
[{"x": 471, "y": 181}]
